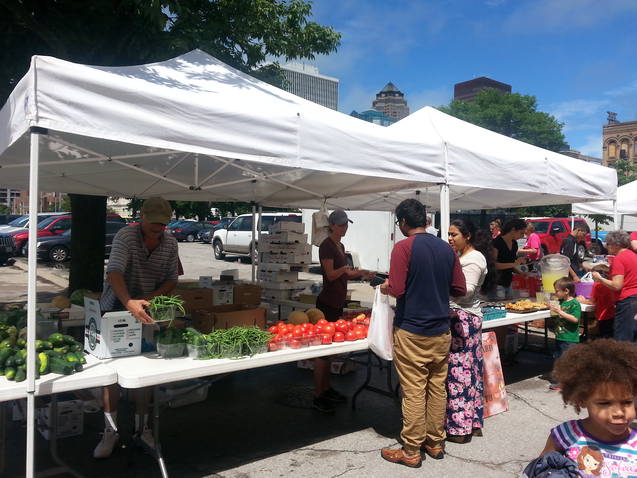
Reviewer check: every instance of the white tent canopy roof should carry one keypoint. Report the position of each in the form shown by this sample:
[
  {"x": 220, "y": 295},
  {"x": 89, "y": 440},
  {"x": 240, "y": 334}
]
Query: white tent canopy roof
[
  {"x": 192, "y": 128},
  {"x": 487, "y": 170},
  {"x": 626, "y": 203}
]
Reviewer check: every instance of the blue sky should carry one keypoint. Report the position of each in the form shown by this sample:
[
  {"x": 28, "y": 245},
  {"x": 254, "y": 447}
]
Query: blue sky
[{"x": 577, "y": 57}]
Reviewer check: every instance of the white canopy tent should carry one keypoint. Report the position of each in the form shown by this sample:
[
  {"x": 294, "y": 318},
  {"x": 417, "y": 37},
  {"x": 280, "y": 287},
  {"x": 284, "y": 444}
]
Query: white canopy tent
[
  {"x": 192, "y": 128},
  {"x": 626, "y": 204}
]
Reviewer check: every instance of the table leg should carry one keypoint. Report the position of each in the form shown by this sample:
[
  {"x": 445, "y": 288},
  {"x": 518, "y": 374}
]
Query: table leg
[
  {"x": 368, "y": 377},
  {"x": 3, "y": 436},
  {"x": 158, "y": 454},
  {"x": 391, "y": 392}
]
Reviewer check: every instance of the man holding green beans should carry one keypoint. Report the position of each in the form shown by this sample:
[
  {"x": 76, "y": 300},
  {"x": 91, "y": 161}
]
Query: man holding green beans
[{"x": 142, "y": 265}]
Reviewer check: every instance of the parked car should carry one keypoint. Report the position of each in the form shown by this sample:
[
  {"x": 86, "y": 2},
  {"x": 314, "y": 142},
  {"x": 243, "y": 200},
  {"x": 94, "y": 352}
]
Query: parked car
[
  {"x": 7, "y": 218},
  {"x": 185, "y": 230},
  {"x": 7, "y": 248},
  {"x": 206, "y": 235},
  {"x": 22, "y": 222},
  {"x": 554, "y": 230},
  {"x": 52, "y": 226},
  {"x": 58, "y": 248},
  {"x": 237, "y": 237}
]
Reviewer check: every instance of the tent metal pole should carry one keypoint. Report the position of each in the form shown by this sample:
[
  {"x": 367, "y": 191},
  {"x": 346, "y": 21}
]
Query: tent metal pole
[
  {"x": 444, "y": 210},
  {"x": 252, "y": 248},
  {"x": 615, "y": 216},
  {"x": 572, "y": 222},
  {"x": 31, "y": 298},
  {"x": 258, "y": 241}
]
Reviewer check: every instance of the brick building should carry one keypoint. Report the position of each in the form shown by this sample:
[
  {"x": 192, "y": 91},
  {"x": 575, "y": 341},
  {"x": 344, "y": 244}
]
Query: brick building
[
  {"x": 468, "y": 90},
  {"x": 391, "y": 101},
  {"x": 619, "y": 140}
]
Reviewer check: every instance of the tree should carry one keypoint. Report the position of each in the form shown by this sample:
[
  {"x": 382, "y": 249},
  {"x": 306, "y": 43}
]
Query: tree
[
  {"x": 242, "y": 33},
  {"x": 626, "y": 172},
  {"x": 512, "y": 115}
]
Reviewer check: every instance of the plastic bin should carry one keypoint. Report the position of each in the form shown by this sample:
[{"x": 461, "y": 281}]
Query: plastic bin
[{"x": 169, "y": 351}]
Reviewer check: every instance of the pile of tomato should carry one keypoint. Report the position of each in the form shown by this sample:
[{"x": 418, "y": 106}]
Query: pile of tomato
[{"x": 322, "y": 333}]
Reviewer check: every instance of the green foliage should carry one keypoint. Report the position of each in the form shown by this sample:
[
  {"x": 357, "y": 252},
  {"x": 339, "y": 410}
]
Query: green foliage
[
  {"x": 242, "y": 33},
  {"x": 513, "y": 115},
  {"x": 559, "y": 210},
  {"x": 626, "y": 171},
  {"x": 4, "y": 209}
]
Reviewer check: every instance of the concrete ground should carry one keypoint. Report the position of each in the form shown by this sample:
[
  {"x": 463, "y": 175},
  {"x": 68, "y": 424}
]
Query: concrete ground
[{"x": 259, "y": 423}]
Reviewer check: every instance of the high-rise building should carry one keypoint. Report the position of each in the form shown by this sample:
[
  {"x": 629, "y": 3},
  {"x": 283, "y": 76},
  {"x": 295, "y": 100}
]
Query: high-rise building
[
  {"x": 8, "y": 197},
  {"x": 391, "y": 101},
  {"x": 619, "y": 140},
  {"x": 468, "y": 90},
  {"x": 373, "y": 116},
  {"x": 306, "y": 81}
]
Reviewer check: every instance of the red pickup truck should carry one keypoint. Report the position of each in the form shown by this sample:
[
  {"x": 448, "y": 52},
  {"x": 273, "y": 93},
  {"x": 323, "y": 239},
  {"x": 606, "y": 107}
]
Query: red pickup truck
[{"x": 553, "y": 230}]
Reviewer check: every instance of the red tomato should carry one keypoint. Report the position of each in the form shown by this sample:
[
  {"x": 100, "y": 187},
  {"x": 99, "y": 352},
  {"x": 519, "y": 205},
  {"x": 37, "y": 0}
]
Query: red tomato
[
  {"x": 290, "y": 327},
  {"x": 351, "y": 336},
  {"x": 342, "y": 327},
  {"x": 310, "y": 330},
  {"x": 326, "y": 339},
  {"x": 295, "y": 344},
  {"x": 329, "y": 329},
  {"x": 358, "y": 327},
  {"x": 273, "y": 330},
  {"x": 280, "y": 324},
  {"x": 273, "y": 346},
  {"x": 339, "y": 337},
  {"x": 296, "y": 333},
  {"x": 360, "y": 334},
  {"x": 288, "y": 336},
  {"x": 321, "y": 321},
  {"x": 319, "y": 329}
]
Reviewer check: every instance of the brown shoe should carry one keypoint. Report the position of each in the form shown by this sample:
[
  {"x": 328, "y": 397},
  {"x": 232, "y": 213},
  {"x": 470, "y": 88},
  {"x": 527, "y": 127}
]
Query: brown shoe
[
  {"x": 435, "y": 452},
  {"x": 461, "y": 439},
  {"x": 399, "y": 456}
]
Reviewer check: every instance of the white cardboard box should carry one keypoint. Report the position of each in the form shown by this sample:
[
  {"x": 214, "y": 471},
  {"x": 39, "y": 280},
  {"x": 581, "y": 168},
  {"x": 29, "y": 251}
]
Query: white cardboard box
[
  {"x": 70, "y": 419},
  {"x": 114, "y": 334},
  {"x": 288, "y": 226}
]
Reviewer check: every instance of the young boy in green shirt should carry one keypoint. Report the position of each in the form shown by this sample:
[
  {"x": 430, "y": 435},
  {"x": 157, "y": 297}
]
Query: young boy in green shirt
[{"x": 569, "y": 313}]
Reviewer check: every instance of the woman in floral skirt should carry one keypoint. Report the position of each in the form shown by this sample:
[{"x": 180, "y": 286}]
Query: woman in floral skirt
[{"x": 464, "y": 381}]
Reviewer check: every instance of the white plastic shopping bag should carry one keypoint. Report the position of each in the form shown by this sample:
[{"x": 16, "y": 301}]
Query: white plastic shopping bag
[
  {"x": 588, "y": 277},
  {"x": 381, "y": 327},
  {"x": 320, "y": 226}
]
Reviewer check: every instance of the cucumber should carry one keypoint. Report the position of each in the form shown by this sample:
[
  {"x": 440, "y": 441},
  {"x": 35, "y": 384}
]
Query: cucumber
[
  {"x": 22, "y": 343},
  {"x": 43, "y": 366},
  {"x": 78, "y": 367},
  {"x": 8, "y": 343},
  {"x": 46, "y": 345},
  {"x": 61, "y": 350},
  {"x": 10, "y": 362},
  {"x": 57, "y": 339},
  {"x": 76, "y": 347},
  {"x": 71, "y": 358},
  {"x": 68, "y": 340},
  {"x": 21, "y": 374},
  {"x": 4, "y": 355},
  {"x": 9, "y": 372},
  {"x": 61, "y": 366}
]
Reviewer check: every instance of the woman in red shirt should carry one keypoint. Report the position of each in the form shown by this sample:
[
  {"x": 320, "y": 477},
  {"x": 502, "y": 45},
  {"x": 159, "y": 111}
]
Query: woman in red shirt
[
  {"x": 623, "y": 279},
  {"x": 604, "y": 300}
]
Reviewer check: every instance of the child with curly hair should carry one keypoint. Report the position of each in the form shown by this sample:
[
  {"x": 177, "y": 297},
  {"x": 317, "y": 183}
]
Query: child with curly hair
[{"x": 600, "y": 376}]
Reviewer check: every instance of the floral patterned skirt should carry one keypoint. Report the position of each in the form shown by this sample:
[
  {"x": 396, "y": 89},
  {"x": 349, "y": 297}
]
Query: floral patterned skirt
[{"x": 465, "y": 389}]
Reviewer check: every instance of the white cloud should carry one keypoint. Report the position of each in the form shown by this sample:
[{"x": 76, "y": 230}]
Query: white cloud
[
  {"x": 575, "y": 109},
  {"x": 495, "y": 3},
  {"x": 357, "y": 98},
  {"x": 557, "y": 16}
]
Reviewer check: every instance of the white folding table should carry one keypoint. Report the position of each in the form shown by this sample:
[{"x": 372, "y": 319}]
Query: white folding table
[{"x": 150, "y": 370}]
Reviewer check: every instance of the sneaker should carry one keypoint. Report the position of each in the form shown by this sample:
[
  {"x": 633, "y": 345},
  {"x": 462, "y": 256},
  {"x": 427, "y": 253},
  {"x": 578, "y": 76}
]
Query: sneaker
[
  {"x": 400, "y": 457},
  {"x": 334, "y": 396},
  {"x": 104, "y": 448},
  {"x": 146, "y": 439},
  {"x": 324, "y": 405}
]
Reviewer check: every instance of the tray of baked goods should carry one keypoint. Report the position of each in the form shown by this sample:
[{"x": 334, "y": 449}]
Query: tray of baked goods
[{"x": 525, "y": 306}]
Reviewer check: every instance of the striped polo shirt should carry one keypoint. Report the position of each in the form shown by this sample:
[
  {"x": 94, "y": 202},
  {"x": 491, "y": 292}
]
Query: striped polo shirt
[
  {"x": 143, "y": 272},
  {"x": 593, "y": 456}
]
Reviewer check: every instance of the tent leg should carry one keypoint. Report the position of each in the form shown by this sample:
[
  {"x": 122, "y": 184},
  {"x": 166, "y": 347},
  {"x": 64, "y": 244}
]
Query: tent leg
[
  {"x": 444, "y": 211},
  {"x": 616, "y": 219},
  {"x": 252, "y": 248},
  {"x": 31, "y": 298},
  {"x": 256, "y": 251}
]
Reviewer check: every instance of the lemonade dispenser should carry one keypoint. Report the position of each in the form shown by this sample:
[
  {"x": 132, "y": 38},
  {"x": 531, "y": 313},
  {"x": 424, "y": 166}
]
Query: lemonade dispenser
[{"x": 553, "y": 267}]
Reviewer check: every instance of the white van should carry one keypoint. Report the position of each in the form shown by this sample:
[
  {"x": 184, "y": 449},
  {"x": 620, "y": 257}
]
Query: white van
[{"x": 237, "y": 238}]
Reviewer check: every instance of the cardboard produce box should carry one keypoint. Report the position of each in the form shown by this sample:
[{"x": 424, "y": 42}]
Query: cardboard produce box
[
  {"x": 114, "y": 334},
  {"x": 247, "y": 294},
  {"x": 227, "y": 316},
  {"x": 70, "y": 419},
  {"x": 197, "y": 298}
]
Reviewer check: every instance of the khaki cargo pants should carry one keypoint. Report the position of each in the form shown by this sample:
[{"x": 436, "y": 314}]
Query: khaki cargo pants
[{"x": 421, "y": 363}]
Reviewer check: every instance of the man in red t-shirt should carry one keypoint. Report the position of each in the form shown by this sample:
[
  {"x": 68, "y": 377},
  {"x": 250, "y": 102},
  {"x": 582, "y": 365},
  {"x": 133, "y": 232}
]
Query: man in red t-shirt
[
  {"x": 623, "y": 279},
  {"x": 633, "y": 241},
  {"x": 604, "y": 300}
]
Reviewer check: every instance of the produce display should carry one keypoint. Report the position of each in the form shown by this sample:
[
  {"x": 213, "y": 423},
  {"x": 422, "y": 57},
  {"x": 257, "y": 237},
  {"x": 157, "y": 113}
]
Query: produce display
[
  {"x": 234, "y": 343},
  {"x": 60, "y": 354},
  {"x": 294, "y": 336},
  {"x": 77, "y": 296}
]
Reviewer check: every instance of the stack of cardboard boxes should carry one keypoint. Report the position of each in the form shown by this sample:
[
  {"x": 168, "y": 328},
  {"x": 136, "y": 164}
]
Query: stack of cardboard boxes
[
  {"x": 283, "y": 253},
  {"x": 222, "y": 306}
]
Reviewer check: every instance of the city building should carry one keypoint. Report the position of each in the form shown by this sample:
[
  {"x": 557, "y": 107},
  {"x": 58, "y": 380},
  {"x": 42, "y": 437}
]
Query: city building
[
  {"x": 373, "y": 116},
  {"x": 619, "y": 140},
  {"x": 306, "y": 81},
  {"x": 391, "y": 101},
  {"x": 51, "y": 202},
  {"x": 468, "y": 90},
  {"x": 8, "y": 197},
  {"x": 578, "y": 155}
]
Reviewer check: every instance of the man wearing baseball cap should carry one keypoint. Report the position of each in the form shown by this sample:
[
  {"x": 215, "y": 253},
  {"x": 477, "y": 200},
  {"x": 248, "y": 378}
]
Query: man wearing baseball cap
[
  {"x": 142, "y": 265},
  {"x": 331, "y": 300}
]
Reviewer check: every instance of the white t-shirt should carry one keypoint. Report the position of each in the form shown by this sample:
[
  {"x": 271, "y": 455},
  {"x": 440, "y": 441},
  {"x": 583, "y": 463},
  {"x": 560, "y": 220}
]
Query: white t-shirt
[{"x": 474, "y": 268}]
